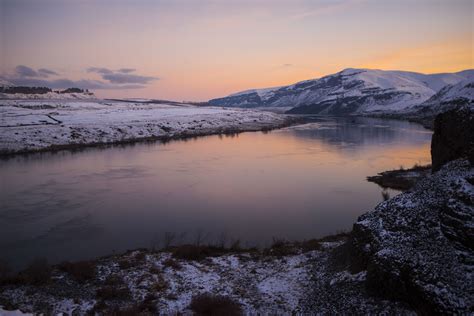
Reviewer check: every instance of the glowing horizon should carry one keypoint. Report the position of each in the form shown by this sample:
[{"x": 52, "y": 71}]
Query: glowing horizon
[{"x": 198, "y": 50}]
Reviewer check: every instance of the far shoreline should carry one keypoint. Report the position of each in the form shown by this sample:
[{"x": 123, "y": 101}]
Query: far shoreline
[
  {"x": 288, "y": 120},
  {"x": 188, "y": 134}
]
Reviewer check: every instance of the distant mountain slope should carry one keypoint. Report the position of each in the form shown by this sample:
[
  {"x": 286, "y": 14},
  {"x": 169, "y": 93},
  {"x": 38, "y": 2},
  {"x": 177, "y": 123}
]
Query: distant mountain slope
[
  {"x": 349, "y": 91},
  {"x": 460, "y": 93},
  {"x": 453, "y": 96}
]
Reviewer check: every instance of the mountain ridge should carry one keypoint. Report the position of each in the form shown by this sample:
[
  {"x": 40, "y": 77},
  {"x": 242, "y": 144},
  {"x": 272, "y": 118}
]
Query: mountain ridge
[{"x": 350, "y": 91}]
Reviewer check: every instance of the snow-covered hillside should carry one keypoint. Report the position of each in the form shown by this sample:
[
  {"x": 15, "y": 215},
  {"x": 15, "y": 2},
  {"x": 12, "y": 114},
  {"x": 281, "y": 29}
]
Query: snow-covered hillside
[
  {"x": 350, "y": 91},
  {"x": 32, "y": 125},
  {"x": 461, "y": 93}
]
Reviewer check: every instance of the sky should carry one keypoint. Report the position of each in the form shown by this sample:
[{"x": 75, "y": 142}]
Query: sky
[{"x": 198, "y": 50}]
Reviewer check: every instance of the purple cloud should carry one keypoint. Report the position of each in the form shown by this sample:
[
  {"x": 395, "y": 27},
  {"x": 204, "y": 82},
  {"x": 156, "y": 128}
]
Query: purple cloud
[
  {"x": 99, "y": 70},
  {"x": 27, "y": 72},
  {"x": 46, "y": 72},
  {"x": 126, "y": 70},
  {"x": 24, "y": 71},
  {"x": 119, "y": 79},
  {"x": 127, "y": 78},
  {"x": 121, "y": 76}
]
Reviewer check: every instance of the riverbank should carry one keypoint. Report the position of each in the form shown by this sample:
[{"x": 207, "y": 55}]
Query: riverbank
[
  {"x": 410, "y": 254},
  {"x": 387, "y": 264},
  {"x": 400, "y": 179},
  {"x": 278, "y": 280},
  {"x": 28, "y": 126}
]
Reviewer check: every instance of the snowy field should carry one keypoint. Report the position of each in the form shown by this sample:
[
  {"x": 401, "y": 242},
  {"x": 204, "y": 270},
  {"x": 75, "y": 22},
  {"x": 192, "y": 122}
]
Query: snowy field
[{"x": 33, "y": 125}]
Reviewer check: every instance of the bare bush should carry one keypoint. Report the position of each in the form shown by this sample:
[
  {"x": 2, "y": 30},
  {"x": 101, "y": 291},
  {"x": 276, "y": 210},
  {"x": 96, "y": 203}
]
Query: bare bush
[{"x": 213, "y": 305}]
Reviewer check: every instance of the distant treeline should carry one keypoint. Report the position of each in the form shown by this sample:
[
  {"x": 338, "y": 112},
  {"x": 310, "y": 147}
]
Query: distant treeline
[
  {"x": 26, "y": 90},
  {"x": 39, "y": 90}
]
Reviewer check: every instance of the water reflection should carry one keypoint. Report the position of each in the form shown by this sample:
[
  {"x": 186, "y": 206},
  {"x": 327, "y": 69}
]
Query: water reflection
[
  {"x": 359, "y": 132},
  {"x": 297, "y": 183}
]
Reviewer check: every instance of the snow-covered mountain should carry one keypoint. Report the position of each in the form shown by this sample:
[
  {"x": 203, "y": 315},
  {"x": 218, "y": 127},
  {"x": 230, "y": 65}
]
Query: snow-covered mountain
[
  {"x": 460, "y": 93},
  {"x": 449, "y": 97},
  {"x": 350, "y": 91}
]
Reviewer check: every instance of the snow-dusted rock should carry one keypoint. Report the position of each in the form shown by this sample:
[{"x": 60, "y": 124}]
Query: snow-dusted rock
[{"x": 419, "y": 246}]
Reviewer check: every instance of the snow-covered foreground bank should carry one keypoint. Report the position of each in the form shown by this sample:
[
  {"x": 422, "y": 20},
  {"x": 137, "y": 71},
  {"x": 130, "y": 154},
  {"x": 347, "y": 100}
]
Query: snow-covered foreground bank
[
  {"x": 34, "y": 125},
  {"x": 279, "y": 281}
]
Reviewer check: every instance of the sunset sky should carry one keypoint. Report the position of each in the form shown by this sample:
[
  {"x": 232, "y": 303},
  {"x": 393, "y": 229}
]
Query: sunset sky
[{"x": 196, "y": 50}]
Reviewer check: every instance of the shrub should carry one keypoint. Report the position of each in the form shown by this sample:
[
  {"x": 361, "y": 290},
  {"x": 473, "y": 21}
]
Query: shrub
[
  {"x": 114, "y": 279},
  {"x": 140, "y": 256},
  {"x": 37, "y": 273},
  {"x": 310, "y": 245},
  {"x": 99, "y": 307},
  {"x": 81, "y": 271},
  {"x": 189, "y": 252},
  {"x": 160, "y": 285},
  {"x": 173, "y": 264},
  {"x": 126, "y": 264},
  {"x": 281, "y": 248},
  {"x": 207, "y": 304},
  {"x": 338, "y": 236},
  {"x": 154, "y": 270},
  {"x": 148, "y": 304},
  {"x": 134, "y": 310},
  {"x": 235, "y": 246},
  {"x": 4, "y": 272},
  {"x": 113, "y": 293},
  {"x": 130, "y": 262},
  {"x": 114, "y": 289}
]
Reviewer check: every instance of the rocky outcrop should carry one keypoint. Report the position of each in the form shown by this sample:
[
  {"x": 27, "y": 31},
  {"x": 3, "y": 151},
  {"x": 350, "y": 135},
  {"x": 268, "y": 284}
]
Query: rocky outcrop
[
  {"x": 453, "y": 136},
  {"x": 419, "y": 246},
  {"x": 401, "y": 179}
]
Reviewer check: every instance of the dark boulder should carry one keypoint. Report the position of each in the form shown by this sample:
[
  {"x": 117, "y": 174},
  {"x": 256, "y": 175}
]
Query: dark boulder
[
  {"x": 453, "y": 136},
  {"x": 418, "y": 247}
]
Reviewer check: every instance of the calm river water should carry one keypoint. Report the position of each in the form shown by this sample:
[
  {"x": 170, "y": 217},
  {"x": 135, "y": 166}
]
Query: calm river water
[{"x": 297, "y": 183}]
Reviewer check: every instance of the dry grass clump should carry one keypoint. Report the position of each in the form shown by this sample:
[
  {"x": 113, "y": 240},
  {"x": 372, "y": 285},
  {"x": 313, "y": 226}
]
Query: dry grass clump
[
  {"x": 114, "y": 289},
  {"x": 194, "y": 252},
  {"x": 37, "y": 273},
  {"x": 81, "y": 271},
  {"x": 281, "y": 248},
  {"x": 160, "y": 285},
  {"x": 173, "y": 264},
  {"x": 213, "y": 305}
]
